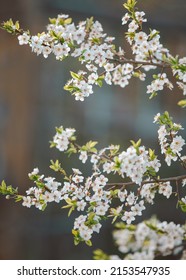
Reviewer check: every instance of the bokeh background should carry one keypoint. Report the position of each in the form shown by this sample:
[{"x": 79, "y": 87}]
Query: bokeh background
[{"x": 33, "y": 102}]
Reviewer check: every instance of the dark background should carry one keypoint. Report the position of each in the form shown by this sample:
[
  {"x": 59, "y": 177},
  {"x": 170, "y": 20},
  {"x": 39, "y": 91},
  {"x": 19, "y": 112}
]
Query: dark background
[{"x": 33, "y": 102}]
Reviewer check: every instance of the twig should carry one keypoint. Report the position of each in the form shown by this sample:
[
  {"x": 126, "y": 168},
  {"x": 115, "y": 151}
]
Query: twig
[
  {"x": 142, "y": 63},
  {"x": 177, "y": 178}
]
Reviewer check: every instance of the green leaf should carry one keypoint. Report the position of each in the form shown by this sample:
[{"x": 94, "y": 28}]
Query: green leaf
[
  {"x": 114, "y": 150},
  {"x": 68, "y": 21},
  {"x": 136, "y": 144},
  {"x": 56, "y": 166},
  {"x": 69, "y": 202},
  {"x": 57, "y": 36},
  {"x": 100, "y": 255},
  {"x": 40, "y": 184},
  {"x": 90, "y": 221},
  {"x": 182, "y": 205},
  {"x": 153, "y": 94},
  {"x": 7, "y": 190},
  {"x": 153, "y": 34},
  {"x": 44, "y": 207},
  {"x": 76, "y": 236},
  {"x": 182, "y": 103},
  {"x": 150, "y": 172},
  {"x": 90, "y": 147},
  {"x": 3, "y": 185},
  {"x": 71, "y": 210},
  {"x": 89, "y": 24},
  {"x": 130, "y": 34},
  {"x": 154, "y": 227},
  {"x": 76, "y": 241},
  {"x": 130, "y": 5},
  {"x": 52, "y": 144},
  {"x": 71, "y": 150},
  {"x": 99, "y": 82},
  {"x": 10, "y": 27},
  {"x": 75, "y": 76},
  {"x": 117, "y": 163},
  {"x": 114, "y": 193},
  {"x": 88, "y": 242},
  {"x": 151, "y": 154},
  {"x": 174, "y": 60},
  {"x": 59, "y": 129},
  {"x": 52, "y": 20},
  {"x": 166, "y": 115},
  {"x": 96, "y": 41},
  {"x": 71, "y": 88},
  {"x": 122, "y": 225},
  {"x": 18, "y": 198},
  {"x": 75, "y": 232}
]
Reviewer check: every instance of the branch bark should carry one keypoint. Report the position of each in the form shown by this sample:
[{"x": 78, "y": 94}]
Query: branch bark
[{"x": 176, "y": 179}]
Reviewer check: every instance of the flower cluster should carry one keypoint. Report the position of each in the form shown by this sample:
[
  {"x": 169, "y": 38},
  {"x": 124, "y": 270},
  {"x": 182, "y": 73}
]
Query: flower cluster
[
  {"x": 149, "y": 239},
  {"x": 46, "y": 190},
  {"x": 159, "y": 83},
  {"x": 136, "y": 162},
  {"x": 148, "y": 54},
  {"x": 104, "y": 61},
  {"x": 149, "y": 190},
  {"x": 85, "y": 41},
  {"x": 94, "y": 197},
  {"x": 145, "y": 47},
  {"x": 62, "y": 138},
  {"x": 171, "y": 144},
  {"x": 84, "y": 196},
  {"x": 179, "y": 68}
]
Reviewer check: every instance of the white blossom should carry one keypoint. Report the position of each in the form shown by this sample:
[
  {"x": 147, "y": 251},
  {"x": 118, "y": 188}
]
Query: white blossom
[
  {"x": 128, "y": 217},
  {"x": 23, "y": 39},
  {"x": 83, "y": 156},
  {"x": 27, "y": 201},
  {"x": 165, "y": 189}
]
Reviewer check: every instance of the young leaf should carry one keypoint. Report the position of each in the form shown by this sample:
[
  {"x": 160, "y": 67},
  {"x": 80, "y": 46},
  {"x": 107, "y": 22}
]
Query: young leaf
[
  {"x": 182, "y": 103},
  {"x": 75, "y": 76}
]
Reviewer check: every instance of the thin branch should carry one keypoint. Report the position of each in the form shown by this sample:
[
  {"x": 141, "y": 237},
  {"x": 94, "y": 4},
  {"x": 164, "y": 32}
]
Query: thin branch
[
  {"x": 177, "y": 190},
  {"x": 142, "y": 63},
  {"x": 176, "y": 179}
]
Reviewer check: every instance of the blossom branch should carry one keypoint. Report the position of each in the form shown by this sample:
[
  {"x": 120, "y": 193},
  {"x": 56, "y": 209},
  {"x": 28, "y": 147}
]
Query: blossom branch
[
  {"x": 163, "y": 180},
  {"x": 141, "y": 63}
]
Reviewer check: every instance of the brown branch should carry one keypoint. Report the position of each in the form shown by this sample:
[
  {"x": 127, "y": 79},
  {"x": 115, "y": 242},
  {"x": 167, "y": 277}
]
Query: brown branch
[
  {"x": 176, "y": 179},
  {"x": 177, "y": 190},
  {"x": 141, "y": 63}
]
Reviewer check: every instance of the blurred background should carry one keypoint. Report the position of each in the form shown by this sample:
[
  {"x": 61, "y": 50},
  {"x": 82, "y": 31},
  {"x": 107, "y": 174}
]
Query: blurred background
[{"x": 33, "y": 102}]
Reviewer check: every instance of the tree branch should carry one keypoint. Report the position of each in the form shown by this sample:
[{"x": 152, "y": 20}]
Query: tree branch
[
  {"x": 141, "y": 63},
  {"x": 176, "y": 179}
]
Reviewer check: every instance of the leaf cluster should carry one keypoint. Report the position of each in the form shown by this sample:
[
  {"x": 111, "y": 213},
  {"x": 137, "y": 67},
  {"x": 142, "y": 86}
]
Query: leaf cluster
[{"x": 7, "y": 190}]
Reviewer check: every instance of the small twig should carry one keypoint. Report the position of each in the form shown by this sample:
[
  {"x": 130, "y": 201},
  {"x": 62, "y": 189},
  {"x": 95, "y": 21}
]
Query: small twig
[{"x": 177, "y": 190}]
